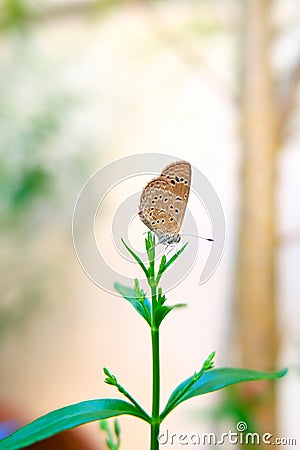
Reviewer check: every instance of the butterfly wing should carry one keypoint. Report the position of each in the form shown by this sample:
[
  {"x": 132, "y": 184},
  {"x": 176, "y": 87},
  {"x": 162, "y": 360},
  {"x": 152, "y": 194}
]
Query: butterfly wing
[
  {"x": 181, "y": 169},
  {"x": 178, "y": 174},
  {"x": 157, "y": 208},
  {"x": 164, "y": 199}
]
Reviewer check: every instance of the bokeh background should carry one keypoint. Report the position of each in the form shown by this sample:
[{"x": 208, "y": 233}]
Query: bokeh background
[{"x": 83, "y": 83}]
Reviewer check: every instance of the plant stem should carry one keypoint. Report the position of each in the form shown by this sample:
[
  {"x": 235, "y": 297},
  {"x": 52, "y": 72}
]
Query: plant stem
[
  {"x": 133, "y": 401},
  {"x": 155, "y": 424}
]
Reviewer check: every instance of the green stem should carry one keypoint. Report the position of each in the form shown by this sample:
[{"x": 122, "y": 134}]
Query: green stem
[
  {"x": 155, "y": 424},
  {"x": 180, "y": 394},
  {"x": 133, "y": 401}
]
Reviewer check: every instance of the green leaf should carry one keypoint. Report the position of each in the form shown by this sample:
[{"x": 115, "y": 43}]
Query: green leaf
[
  {"x": 104, "y": 425},
  {"x": 175, "y": 399},
  {"x": 117, "y": 428},
  {"x": 33, "y": 183},
  {"x": 112, "y": 435},
  {"x": 215, "y": 379},
  {"x": 142, "y": 306},
  {"x": 161, "y": 298},
  {"x": 163, "y": 267},
  {"x": 162, "y": 310},
  {"x": 140, "y": 295},
  {"x": 67, "y": 418},
  {"x": 136, "y": 257},
  {"x": 150, "y": 247}
]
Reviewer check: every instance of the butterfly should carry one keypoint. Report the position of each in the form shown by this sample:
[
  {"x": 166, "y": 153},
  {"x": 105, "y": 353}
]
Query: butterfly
[{"x": 163, "y": 202}]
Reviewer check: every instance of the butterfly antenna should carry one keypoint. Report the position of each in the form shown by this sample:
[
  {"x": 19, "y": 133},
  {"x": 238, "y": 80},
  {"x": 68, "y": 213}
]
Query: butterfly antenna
[{"x": 199, "y": 237}]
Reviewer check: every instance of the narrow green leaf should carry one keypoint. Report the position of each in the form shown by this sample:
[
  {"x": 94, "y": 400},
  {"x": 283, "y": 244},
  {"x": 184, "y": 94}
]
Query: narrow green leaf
[
  {"x": 150, "y": 247},
  {"x": 174, "y": 257},
  {"x": 105, "y": 426},
  {"x": 117, "y": 428},
  {"x": 67, "y": 418},
  {"x": 163, "y": 310},
  {"x": 136, "y": 257},
  {"x": 142, "y": 307},
  {"x": 179, "y": 394},
  {"x": 112, "y": 433},
  {"x": 215, "y": 379},
  {"x": 147, "y": 244},
  {"x": 161, "y": 298},
  {"x": 161, "y": 268},
  {"x": 139, "y": 293}
]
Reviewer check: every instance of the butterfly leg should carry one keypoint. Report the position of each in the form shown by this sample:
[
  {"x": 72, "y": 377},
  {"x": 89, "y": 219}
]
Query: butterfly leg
[{"x": 170, "y": 247}]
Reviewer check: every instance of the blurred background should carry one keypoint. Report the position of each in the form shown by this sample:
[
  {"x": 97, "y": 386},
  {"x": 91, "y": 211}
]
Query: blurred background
[{"x": 85, "y": 82}]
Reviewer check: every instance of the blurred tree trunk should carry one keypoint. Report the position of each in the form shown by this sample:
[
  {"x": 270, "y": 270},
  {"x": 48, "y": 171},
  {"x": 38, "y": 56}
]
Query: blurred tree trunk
[{"x": 264, "y": 122}]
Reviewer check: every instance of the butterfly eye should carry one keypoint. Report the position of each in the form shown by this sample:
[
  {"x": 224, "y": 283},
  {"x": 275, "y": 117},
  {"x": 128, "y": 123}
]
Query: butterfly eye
[
  {"x": 162, "y": 220},
  {"x": 171, "y": 206},
  {"x": 160, "y": 196},
  {"x": 176, "y": 210},
  {"x": 166, "y": 199},
  {"x": 181, "y": 179},
  {"x": 171, "y": 219},
  {"x": 173, "y": 182},
  {"x": 185, "y": 182}
]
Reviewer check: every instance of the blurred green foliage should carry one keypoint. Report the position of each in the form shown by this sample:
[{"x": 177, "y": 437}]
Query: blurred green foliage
[
  {"x": 25, "y": 185},
  {"x": 25, "y": 138},
  {"x": 15, "y": 14},
  {"x": 37, "y": 174},
  {"x": 231, "y": 409}
]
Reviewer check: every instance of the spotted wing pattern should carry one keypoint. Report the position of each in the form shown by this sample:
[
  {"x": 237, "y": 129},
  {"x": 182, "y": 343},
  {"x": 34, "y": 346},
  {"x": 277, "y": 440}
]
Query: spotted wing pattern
[{"x": 164, "y": 199}]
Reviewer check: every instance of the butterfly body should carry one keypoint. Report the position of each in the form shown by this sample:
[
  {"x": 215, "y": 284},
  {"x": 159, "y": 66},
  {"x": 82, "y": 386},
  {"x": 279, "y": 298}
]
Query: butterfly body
[{"x": 163, "y": 202}]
